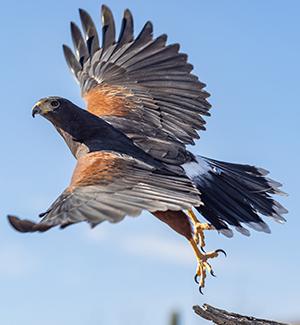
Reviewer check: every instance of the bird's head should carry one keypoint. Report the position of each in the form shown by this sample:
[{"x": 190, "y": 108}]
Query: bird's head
[
  {"x": 50, "y": 105},
  {"x": 66, "y": 116},
  {"x": 61, "y": 112}
]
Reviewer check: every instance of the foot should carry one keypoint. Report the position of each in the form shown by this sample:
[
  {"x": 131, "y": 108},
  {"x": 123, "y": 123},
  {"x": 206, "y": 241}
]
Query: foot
[{"x": 203, "y": 265}]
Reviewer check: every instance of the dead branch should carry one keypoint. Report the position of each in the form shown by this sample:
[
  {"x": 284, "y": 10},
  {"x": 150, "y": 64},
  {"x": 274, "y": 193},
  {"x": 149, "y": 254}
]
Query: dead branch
[{"x": 223, "y": 317}]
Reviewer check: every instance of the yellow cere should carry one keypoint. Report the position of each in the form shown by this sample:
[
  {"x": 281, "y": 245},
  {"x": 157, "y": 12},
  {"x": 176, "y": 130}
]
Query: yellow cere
[
  {"x": 40, "y": 103},
  {"x": 37, "y": 103}
]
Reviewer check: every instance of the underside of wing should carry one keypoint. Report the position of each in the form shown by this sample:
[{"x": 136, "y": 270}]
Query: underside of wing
[
  {"x": 140, "y": 85},
  {"x": 109, "y": 186}
]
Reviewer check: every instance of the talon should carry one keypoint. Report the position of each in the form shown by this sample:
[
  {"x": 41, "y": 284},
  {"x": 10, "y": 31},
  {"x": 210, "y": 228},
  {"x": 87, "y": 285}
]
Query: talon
[
  {"x": 221, "y": 251},
  {"x": 203, "y": 265},
  {"x": 203, "y": 250}
]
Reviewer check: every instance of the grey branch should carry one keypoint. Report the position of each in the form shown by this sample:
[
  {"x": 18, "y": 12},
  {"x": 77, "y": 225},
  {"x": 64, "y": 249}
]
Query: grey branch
[{"x": 223, "y": 317}]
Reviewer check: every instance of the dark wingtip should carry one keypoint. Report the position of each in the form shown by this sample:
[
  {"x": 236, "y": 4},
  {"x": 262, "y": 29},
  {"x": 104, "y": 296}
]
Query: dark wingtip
[
  {"x": 82, "y": 11},
  {"x": 149, "y": 24},
  {"x": 105, "y": 8},
  {"x": 66, "y": 50},
  {"x": 127, "y": 13},
  {"x": 126, "y": 33},
  {"x": 107, "y": 14},
  {"x": 73, "y": 26},
  {"x": 20, "y": 225},
  {"x": 83, "y": 14},
  {"x": 149, "y": 27},
  {"x": 146, "y": 33},
  {"x": 26, "y": 225}
]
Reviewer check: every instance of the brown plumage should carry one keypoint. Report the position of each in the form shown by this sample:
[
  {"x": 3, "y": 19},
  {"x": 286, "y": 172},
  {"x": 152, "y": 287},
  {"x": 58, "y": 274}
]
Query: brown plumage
[
  {"x": 177, "y": 220},
  {"x": 108, "y": 100},
  {"x": 95, "y": 167},
  {"x": 143, "y": 107}
]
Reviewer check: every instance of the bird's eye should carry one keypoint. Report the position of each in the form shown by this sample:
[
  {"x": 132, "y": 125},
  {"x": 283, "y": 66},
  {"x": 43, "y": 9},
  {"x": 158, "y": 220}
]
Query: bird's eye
[{"x": 54, "y": 103}]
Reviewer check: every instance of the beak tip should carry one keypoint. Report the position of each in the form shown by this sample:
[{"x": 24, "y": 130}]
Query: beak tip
[{"x": 36, "y": 110}]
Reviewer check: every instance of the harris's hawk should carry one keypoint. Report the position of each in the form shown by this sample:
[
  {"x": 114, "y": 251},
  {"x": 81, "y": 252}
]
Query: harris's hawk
[{"x": 143, "y": 107}]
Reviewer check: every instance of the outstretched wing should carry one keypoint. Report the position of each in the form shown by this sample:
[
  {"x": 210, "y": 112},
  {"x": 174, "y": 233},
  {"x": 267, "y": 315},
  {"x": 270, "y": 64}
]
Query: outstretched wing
[
  {"x": 140, "y": 85},
  {"x": 109, "y": 186}
]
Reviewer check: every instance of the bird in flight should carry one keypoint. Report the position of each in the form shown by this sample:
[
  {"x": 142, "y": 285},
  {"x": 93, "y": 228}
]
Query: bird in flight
[{"x": 143, "y": 107}]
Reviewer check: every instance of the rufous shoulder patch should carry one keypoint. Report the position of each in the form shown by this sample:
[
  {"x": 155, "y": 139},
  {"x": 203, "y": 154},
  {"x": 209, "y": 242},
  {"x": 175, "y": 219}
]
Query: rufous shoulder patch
[
  {"x": 96, "y": 168},
  {"x": 106, "y": 100}
]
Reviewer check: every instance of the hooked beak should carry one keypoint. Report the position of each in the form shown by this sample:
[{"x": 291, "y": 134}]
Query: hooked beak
[{"x": 36, "y": 110}]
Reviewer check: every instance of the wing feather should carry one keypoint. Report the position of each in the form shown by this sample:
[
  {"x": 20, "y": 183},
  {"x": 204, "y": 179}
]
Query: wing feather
[
  {"x": 126, "y": 33},
  {"x": 107, "y": 186},
  {"x": 150, "y": 81},
  {"x": 90, "y": 31},
  {"x": 108, "y": 28},
  {"x": 79, "y": 44}
]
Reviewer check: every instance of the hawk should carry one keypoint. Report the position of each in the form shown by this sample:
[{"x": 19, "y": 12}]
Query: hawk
[{"x": 143, "y": 107}]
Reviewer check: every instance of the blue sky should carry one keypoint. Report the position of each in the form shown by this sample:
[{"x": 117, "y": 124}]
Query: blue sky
[{"x": 136, "y": 272}]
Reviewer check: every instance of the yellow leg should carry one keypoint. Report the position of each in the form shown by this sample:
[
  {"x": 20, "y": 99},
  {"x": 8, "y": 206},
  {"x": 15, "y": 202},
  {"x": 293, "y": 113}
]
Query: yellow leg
[
  {"x": 203, "y": 266},
  {"x": 199, "y": 228}
]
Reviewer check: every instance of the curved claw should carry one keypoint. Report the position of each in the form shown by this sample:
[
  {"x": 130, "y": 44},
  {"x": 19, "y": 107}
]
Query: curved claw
[
  {"x": 212, "y": 273},
  {"x": 221, "y": 251},
  {"x": 196, "y": 278},
  {"x": 200, "y": 290},
  {"x": 203, "y": 250}
]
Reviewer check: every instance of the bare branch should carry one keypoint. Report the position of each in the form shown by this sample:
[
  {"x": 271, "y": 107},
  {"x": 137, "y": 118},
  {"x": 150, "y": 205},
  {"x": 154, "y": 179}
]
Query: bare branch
[{"x": 223, "y": 317}]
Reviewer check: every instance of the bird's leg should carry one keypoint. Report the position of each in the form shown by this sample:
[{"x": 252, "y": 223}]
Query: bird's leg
[
  {"x": 203, "y": 266},
  {"x": 199, "y": 228}
]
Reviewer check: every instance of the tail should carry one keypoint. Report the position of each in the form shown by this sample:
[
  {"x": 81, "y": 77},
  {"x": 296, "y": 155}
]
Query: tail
[{"x": 235, "y": 195}]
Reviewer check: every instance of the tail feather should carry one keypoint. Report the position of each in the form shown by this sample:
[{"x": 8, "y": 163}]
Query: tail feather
[{"x": 235, "y": 195}]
